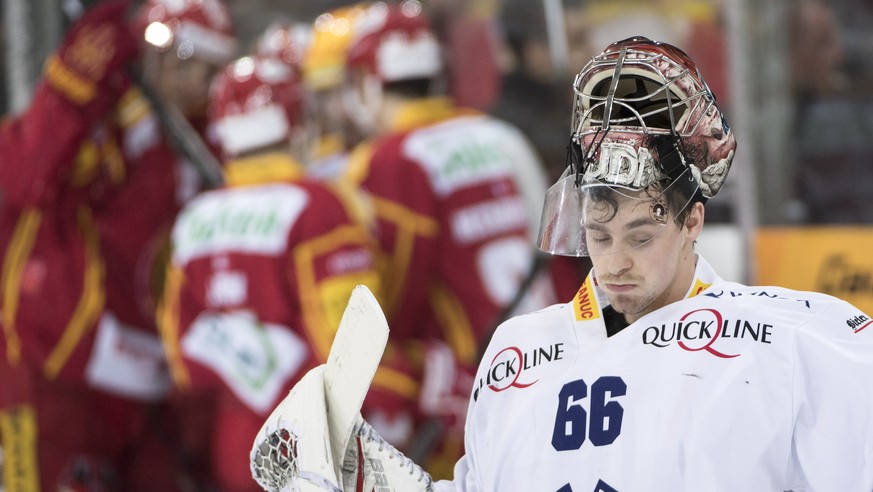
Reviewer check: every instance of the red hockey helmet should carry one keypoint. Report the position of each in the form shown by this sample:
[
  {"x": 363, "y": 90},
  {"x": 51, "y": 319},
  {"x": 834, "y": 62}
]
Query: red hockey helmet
[
  {"x": 255, "y": 102},
  {"x": 199, "y": 28},
  {"x": 395, "y": 42},
  {"x": 286, "y": 42}
]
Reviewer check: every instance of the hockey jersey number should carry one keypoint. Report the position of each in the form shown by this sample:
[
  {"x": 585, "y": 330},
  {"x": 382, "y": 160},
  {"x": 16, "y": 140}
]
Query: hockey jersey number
[{"x": 601, "y": 423}]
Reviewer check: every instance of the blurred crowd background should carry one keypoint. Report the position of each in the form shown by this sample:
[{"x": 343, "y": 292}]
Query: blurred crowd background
[{"x": 795, "y": 77}]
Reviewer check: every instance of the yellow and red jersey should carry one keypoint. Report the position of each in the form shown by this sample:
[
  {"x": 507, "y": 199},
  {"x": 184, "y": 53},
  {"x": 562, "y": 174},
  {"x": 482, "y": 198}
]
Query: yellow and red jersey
[
  {"x": 260, "y": 274},
  {"x": 87, "y": 205},
  {"x": 274, "y": 254}
]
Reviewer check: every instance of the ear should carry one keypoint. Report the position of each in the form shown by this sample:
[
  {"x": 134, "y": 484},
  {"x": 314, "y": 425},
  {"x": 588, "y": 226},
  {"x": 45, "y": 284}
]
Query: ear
[{"x": 694, "y": 221}]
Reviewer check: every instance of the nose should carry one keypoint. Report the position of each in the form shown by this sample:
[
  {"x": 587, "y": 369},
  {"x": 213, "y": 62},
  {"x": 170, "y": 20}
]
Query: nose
[{"x": 619, "y": 263}]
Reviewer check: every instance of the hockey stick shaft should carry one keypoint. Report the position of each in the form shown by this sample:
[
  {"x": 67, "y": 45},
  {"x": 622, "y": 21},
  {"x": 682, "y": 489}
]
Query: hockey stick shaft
[{"x": 183, "y": 136}]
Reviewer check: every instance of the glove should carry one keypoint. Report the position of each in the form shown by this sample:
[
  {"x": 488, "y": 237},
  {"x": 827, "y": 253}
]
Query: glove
[
  {"x": 371, "y": 464},
  {"x": 292, "y": 450},
  {"x": 87, "y": 69}
]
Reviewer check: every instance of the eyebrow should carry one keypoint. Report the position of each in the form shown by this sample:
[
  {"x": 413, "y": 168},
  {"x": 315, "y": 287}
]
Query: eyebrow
[{"x": 630, "y": 225}]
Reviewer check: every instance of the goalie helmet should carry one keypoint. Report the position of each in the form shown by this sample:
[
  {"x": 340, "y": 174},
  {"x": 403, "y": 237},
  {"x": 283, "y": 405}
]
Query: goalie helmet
[
  {"x": 646, "y": 98},
  {"x": 256, "y": 102},
  {"x": 198, "y": 28},
  {"x": 396, "y": 42},
  {"x": 644, "y": 121}
]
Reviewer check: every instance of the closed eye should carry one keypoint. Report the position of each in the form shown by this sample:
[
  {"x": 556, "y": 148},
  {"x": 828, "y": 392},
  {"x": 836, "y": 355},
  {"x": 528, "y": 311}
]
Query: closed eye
[{"x": 640, "y": 240}]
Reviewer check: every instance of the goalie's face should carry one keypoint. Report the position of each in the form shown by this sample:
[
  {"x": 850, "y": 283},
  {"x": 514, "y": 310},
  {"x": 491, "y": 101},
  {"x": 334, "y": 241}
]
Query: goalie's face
[{"x": 641, "y": 261}]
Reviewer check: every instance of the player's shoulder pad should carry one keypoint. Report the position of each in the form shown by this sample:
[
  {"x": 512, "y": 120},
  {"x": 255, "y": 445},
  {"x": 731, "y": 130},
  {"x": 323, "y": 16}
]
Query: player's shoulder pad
[
  {"x": 548, "y": 319},
  {"x": 767, "y": 297},
  {"x": 809, "y": 310},
  {"x": 844, "y": 318}
]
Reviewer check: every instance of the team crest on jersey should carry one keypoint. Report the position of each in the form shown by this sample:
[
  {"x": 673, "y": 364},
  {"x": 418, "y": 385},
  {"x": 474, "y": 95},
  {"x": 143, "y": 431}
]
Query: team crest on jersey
[
  {"x": 859, "y": 322},
  {"x": 511, "y": 368},
  {"x": 707, "y": 330}
]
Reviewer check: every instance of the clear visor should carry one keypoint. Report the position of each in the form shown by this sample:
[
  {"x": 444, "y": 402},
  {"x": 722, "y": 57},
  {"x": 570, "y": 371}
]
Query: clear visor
[{"x": 597, "y": 218}]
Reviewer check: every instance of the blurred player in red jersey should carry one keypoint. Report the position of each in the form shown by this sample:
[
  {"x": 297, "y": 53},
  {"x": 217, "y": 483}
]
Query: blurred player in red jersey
[
  {"x": 261, "y": 269},
  {"x": 324, "y": 73},
  {"x": 456, "y": 196},
  {"x": 90, "y": 187}
]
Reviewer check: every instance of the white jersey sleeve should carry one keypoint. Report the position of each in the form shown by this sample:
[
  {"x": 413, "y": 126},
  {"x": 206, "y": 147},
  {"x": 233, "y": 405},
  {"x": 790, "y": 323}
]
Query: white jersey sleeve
[
  {"x": 463, "y": 479},
  {"x": 832, "y": 447}
]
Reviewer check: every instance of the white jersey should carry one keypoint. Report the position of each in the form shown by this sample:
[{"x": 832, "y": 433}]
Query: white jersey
[{"x": 734, "y": 388}]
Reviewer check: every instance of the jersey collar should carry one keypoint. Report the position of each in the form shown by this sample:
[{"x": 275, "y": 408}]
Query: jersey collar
[
  {"x": 589, "y": 301},
  {"x": 426, "y": 111},
  {"x": 275, "y": 167}
]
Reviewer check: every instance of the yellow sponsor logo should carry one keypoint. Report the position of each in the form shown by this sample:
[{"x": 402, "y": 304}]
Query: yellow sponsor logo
[
  {"x": 91, "y": 50},
  {"x": 699, "y": 286},
  {"x": 585, "y": 303}
]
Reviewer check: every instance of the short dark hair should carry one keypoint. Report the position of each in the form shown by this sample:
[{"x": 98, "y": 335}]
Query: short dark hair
[{"x": 678, "y": 197}]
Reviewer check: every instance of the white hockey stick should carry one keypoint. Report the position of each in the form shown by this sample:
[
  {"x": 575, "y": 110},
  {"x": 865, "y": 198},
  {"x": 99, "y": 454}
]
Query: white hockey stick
[{"x": 293, "y": 443}]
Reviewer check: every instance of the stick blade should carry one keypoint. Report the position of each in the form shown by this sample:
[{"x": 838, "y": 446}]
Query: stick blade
[{"x": 354, "y": 357}]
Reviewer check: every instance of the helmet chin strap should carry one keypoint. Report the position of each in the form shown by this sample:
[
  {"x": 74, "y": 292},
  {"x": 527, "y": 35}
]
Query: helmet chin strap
[
  {"x": 669, "y": 156},
  {"x": 576, "y": 160},
  {"x": 673, "y": 164}
]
